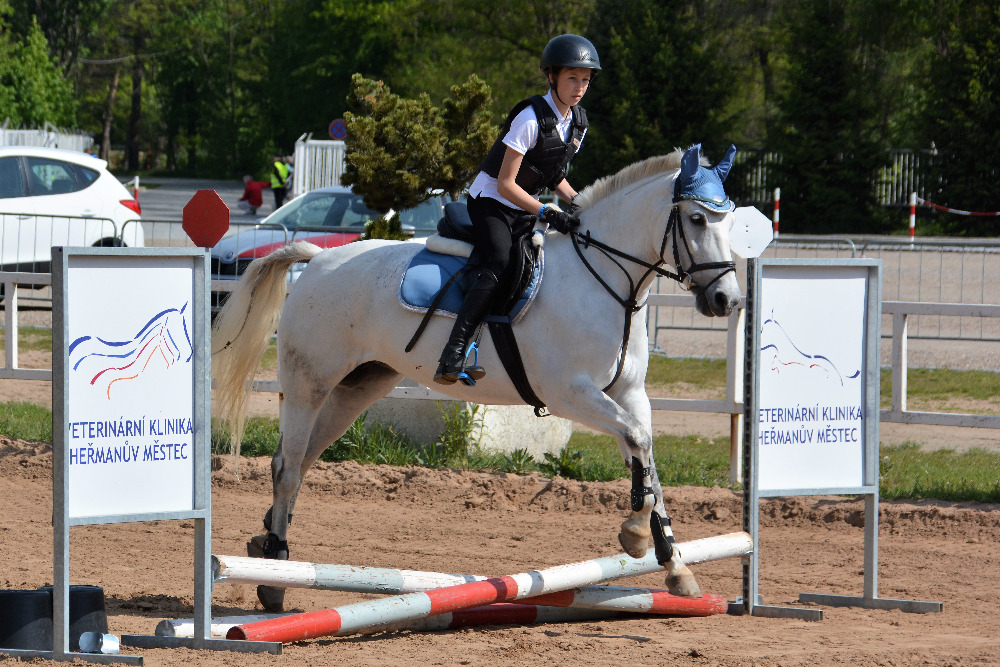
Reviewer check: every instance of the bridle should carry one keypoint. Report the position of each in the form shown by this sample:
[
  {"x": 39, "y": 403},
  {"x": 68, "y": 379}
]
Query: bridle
[{"x": 684, "y": 276}]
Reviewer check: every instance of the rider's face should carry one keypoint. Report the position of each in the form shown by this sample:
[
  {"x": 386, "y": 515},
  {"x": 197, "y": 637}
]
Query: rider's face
[{"x": 572, "y": 83}]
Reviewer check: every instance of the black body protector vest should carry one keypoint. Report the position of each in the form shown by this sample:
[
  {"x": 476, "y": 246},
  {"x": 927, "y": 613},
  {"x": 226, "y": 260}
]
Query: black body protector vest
[{"x": 543, "y": 166}]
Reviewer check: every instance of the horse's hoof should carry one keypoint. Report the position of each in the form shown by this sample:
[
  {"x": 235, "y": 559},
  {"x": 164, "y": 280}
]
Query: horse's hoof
[
  {"x": 680, "y": 580},
  {"x": 634, "y": 537},
  {"x": 272, "y": 598}
]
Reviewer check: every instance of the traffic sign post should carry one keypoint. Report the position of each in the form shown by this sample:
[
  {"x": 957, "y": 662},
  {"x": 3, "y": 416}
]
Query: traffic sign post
[
  {"x": 338, "y": 129},
  {"x": 206, "y": 218}
]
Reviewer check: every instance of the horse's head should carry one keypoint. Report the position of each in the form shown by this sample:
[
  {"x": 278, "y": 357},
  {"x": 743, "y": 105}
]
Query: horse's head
[{"x": 701, "y": 223}]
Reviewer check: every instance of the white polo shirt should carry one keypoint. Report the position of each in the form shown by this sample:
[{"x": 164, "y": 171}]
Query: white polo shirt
[{"x": 522, "y": 137}]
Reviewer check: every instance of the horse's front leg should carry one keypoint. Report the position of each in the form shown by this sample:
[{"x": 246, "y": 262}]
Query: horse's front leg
[
  {"x": 646, "y": 490},
  {"x": 680, "y": 579},
  {"x": 591, "y": 406}
]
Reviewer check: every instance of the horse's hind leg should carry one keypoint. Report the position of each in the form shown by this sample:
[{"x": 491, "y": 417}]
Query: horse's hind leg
[{"x": 352, "y": 396}]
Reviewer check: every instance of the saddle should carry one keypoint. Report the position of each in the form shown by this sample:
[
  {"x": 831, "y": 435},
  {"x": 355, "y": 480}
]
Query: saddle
[{"x": 517, "y": 288}]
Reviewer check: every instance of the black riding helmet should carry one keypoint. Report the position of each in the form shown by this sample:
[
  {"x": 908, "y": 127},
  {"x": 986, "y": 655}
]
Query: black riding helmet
[{"x": 569, "y": 51}]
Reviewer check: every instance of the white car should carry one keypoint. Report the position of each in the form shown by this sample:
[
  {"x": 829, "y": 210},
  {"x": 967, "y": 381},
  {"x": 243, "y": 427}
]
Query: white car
[{"x": 52, "y": 197}]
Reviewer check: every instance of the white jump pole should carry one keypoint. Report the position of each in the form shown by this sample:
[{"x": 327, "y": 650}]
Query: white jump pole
[
  {"x": 354, "y": 618},
  {"x": 318, "y": 576}
]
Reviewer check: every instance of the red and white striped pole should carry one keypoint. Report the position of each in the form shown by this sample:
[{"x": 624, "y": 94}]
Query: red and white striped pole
[
  {"x": 353, "y": 618},
  {"x": 777, "y": 207},
  {"x": 913, "y": 216}
]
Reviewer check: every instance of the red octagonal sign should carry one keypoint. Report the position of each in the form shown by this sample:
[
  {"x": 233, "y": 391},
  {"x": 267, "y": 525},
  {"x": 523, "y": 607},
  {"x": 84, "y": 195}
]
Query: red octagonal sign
[{"x": 206, "y": 218}]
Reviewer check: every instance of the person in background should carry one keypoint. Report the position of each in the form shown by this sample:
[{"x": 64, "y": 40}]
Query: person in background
[
  {"x": 252, "y": 198},
  {"x": 279, "y": 180},
  {"x": 290, "y": 163},
  {"x": 538, "y": 140}
]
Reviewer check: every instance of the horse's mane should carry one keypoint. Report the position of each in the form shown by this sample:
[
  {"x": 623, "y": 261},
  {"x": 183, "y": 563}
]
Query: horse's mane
[{"x": 633, "y": 173}]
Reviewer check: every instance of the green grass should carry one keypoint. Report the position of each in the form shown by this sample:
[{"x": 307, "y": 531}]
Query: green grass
[
  {"x": 944, "y": 474},
  {"x": 928, "y": 385},
  {"x": 906, "y": 471},
  {"x": 30, "y": 339},
  {"x": 679, "y": 459},
  {"x": 704, "y": 373},
  {"x": 26, "y": 421}
]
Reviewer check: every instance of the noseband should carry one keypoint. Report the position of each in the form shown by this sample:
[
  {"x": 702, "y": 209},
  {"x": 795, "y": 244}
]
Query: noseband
[{"x": 683, "y": 275}]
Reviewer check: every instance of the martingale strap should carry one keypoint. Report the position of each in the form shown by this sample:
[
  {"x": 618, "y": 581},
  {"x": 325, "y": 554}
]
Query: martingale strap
[{"x": 510, "y": 357}]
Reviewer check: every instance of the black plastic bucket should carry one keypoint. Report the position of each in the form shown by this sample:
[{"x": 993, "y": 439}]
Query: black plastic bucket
[{"x": 26, "y": 617}]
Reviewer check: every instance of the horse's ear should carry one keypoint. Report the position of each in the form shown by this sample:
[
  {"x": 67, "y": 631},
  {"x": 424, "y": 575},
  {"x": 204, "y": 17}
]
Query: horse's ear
[
  {"x": 722, "y": 169},
  {"x": 690, "y": 162}
]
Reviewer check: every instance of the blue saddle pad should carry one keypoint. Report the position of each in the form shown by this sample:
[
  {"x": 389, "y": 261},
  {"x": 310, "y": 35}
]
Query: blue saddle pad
[{"x": 429, "y": 271}]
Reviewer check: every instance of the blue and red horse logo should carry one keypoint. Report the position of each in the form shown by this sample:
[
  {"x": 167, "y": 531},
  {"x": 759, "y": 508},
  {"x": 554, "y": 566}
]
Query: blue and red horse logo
[{"x": 165, "y": 340}]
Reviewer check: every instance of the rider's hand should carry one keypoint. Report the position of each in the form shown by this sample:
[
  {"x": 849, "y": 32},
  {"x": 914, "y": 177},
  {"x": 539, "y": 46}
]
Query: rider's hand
[
  {"x": 561, "y": 221},
  {"x": 573, "y": 208}
]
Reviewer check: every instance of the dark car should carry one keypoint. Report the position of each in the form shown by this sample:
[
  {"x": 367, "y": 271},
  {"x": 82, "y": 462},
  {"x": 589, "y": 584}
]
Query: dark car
[{"x": 327, "y": 217}]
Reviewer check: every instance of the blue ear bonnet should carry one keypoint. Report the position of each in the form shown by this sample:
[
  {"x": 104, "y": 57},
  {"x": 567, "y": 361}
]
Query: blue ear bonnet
[{"x": 704, "y": 185}]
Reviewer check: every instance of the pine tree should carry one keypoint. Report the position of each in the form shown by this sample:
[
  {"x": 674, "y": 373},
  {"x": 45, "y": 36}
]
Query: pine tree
[
  {"x": 399, "y": 150},
  {"x": 825, "y": 136}
]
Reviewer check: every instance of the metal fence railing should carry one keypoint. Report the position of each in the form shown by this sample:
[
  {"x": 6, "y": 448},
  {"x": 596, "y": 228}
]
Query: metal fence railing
[
  {"x": 26, "y": 239},
  {"x": 49, "y": 136},
  {"x": 922, "y": 271},
  {"x": 318, "y": 163}
]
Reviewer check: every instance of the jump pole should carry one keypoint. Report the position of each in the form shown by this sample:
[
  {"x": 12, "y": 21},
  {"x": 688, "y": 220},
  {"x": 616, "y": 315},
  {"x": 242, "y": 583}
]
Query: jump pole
[
  {"x": 494, "y": 614},
  {"x": 354, "y": 618},
  {"x": 319, "y": 576},
  {"x": 777, "y": 210}
]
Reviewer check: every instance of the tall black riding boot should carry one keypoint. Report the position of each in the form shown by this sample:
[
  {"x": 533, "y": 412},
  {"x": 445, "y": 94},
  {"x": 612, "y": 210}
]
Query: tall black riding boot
[{"x": 475, "y": 306}]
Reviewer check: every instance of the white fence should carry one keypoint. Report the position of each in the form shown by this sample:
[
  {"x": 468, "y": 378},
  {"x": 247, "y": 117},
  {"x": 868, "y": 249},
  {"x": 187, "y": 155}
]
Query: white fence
[
  {"x": 50, "y": 136},
  {"x": 318, "y": 164},
  {"x": 731, "y": 405}
]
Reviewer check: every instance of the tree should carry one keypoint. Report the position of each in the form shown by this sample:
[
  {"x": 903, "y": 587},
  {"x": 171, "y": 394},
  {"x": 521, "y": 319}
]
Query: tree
[
  {"x": 65, "y": 24},
  {"x": 439, "y": 42},
  {"x": 661, "y": 86},
  {"x": 960, "y": 114},
  {"x": 32, "y": 89},
  {"x": 469, "y": 133},
  {"x": 399, "y": 149},
  {"x": 828, "y": 117}
]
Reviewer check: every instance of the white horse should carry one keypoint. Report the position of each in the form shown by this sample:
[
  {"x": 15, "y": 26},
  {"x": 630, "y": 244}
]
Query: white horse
[{"x": 342, "y": 333}]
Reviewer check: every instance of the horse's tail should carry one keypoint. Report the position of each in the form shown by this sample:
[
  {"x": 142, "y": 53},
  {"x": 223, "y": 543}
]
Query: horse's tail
[{"x": 243, "y": 329}]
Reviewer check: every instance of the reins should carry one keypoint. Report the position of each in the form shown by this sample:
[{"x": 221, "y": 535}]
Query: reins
[{"x": 630, "y": 303}]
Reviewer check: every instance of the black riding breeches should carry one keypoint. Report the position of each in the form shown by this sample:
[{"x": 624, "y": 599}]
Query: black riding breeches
[{"x": 493, "y": 227}]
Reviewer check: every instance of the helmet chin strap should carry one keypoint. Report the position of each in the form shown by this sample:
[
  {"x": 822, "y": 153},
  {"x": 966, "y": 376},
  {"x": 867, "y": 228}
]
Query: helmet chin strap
[{"x": 555, "y": 91}]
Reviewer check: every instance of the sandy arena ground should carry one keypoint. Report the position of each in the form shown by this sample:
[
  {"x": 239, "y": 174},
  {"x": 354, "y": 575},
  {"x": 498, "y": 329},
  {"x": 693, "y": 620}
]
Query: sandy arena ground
[{"x": 455, "y": 521}]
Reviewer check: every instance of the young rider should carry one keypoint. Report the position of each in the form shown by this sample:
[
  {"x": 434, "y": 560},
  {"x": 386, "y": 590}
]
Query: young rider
[{"x": 539, "y": 138}]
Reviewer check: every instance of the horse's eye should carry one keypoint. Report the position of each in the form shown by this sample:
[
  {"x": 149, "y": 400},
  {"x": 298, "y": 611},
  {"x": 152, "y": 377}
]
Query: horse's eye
[{"x": 699, "y": 218}]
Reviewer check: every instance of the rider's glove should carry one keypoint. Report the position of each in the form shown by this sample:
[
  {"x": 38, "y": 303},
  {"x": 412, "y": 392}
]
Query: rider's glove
[
  {"x": 573, "y": 208},
  {"x": 561, "y": 221}
]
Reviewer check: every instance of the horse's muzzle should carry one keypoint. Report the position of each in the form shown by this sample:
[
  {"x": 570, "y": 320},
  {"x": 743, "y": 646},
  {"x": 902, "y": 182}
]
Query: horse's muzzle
[{"x": 716, "y": 301}]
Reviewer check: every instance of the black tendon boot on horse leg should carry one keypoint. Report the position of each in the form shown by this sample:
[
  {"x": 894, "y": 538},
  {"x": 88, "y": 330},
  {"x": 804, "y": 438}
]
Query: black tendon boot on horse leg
[
  {"x": 476, "y": 304},
  {"x": 680, "y": 580},
  {"x": 637, "y": 529},
  {"x": 269, "y": 546}
]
